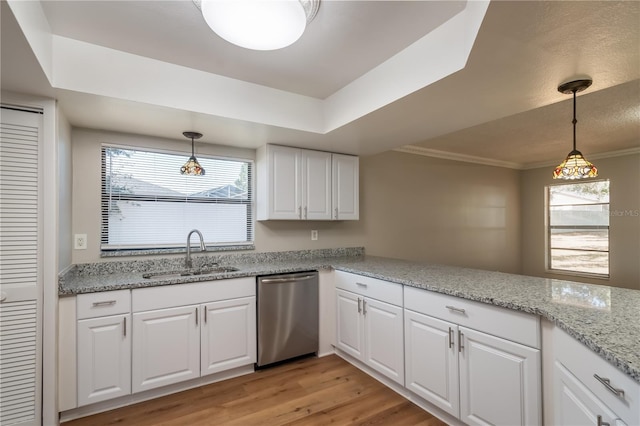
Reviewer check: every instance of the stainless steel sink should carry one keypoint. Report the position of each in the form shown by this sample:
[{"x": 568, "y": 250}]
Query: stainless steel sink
[{"x": 190, "y": 272}]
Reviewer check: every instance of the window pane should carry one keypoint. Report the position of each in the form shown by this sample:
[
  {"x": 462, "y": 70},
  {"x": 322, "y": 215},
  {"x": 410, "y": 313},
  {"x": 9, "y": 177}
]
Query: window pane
[
  {"x": 147, "y": 203},
  {"x": 579, "y": 215},
  {"x": 580, "y": 261},
  {"x": 580, "y": 239},
  {"x": 579, "y": 193}
]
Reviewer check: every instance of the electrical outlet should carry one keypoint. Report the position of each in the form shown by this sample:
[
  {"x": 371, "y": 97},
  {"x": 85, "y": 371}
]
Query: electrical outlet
[
  {"x": 314, "y": 235},
  {"x": 80, "y": 241}
]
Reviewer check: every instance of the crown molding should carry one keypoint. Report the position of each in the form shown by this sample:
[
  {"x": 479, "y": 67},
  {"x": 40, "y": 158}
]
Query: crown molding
[{"x": 427, "y": 152}]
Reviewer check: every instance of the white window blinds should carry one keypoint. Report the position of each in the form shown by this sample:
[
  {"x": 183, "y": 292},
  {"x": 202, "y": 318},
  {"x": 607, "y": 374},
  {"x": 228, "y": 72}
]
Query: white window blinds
[{"x": 147, "y": 203}]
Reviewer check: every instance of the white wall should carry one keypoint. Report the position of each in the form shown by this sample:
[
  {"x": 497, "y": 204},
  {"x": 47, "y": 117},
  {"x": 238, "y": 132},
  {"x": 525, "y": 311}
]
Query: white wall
[{"x": 624, "y": 224}]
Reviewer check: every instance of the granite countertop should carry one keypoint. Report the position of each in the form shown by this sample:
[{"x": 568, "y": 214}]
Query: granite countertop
[{"x": 603, "y": 318}]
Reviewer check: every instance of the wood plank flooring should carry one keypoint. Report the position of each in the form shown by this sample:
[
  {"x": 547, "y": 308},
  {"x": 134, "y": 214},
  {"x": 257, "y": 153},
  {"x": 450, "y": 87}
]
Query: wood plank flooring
[{"x": 310, "y": 391}]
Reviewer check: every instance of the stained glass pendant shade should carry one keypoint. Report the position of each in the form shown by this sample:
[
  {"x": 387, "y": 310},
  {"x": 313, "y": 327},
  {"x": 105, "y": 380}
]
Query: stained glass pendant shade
[
  {"x": 575, "y": 166},
  {"x": 192, "y": 167}
]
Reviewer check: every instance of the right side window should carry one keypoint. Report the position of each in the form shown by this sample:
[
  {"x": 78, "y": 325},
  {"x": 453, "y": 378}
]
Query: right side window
[{"x": 578, "y": 228}]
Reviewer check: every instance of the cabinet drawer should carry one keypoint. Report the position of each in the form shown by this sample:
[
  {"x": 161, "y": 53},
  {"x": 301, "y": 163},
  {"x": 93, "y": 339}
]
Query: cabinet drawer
[
  {"x": 516, "y": 326},
  {"x": 584, "y": 364},
  {"x": 145, "y": 299},
  {"x": 92, "y": 305},
  {"x": 370, "y": 287}
]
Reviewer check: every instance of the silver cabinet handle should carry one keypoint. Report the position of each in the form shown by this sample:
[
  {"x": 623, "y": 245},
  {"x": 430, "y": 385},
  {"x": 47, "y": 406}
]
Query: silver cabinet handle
[
  {"x": 607, "y": 384},
  {"x": 460, "y": 337},
  {"x": 361, "y": 285},
  {"x": 453, "y": 308},
  {"x": 105, "y": 303},
  {"x": 600, "y": 422},
  {"x": 299, "y": 212},
  {"x": 305, "y": 212},
  {"x": 196, "y": 316},
  {"x": 205, "y": 314},
  {"x": 450, "y": 337},
  {"x": 336, "y": 216},
  {"x": 364, "y": 307},
  {"x": 124, "y": 327},
  {"x": 359, "y": 308}
]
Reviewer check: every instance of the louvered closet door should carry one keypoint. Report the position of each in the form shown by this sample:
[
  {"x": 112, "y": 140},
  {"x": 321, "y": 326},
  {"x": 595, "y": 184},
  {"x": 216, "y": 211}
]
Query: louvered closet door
[{"x": 20, "y": 347}]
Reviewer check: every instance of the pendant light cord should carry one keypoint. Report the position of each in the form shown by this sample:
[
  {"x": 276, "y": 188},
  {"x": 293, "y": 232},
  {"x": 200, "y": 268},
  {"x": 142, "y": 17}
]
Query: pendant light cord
[{"x": 575, "y": 121}]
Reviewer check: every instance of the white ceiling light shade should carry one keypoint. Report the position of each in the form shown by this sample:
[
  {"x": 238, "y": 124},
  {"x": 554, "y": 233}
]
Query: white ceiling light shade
[{"x": 259, "y": 24}]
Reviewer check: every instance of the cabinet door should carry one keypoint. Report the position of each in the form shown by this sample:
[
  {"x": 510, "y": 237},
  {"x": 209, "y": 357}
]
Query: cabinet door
[
  {"x": 345, "y": 182},
  {"x": 499, "y": 381},
  {"x": 575, "y": 404},
  {"x": 349, "y": 324},
  {"x": 104, "y": 358},
  {"x": 285, "y": 191},
  {"x": 431, "y": 360},
  {"x": 166, "y": 347},
  {"x": 384, "y": 342},
  {"x": 228, "y": 335},
  {"x": 316, "y": 185}
]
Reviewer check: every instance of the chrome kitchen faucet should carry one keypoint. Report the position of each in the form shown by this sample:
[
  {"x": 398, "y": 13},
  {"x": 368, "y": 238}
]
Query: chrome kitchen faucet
[{"x": 188, "y": 263}]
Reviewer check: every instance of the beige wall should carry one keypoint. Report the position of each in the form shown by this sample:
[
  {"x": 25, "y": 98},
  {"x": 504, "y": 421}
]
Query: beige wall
[
  {"x": 624, "y": 225},
  {"x": 441, "y": 211},
  {"x": 64, "y": 170}
]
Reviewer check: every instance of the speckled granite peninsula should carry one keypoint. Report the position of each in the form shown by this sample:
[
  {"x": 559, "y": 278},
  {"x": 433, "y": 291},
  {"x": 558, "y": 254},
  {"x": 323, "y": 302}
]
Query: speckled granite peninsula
[{"x": 605, "y": 319}]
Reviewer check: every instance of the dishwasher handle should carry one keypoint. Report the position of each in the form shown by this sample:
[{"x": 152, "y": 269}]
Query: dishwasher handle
[{"x": 286, "y": 280}]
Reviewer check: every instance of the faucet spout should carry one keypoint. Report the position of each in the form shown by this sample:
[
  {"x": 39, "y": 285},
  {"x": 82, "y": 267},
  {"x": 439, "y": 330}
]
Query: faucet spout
[{"x": 188, "y": 263}]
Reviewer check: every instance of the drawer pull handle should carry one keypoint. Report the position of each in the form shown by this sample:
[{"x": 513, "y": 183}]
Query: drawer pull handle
[
  {"x": 359, "y": 307},
  {"x": 607, "y": 384},
  {"x": 453, "y": 308},
  {"x": 104, "y": 303},
  {"x": 361, "y": 285},
  {"x": 196, "y": 316},
  {"x": 600, "y": 422},
  {"x": 450, "y": 337},
  {"x": 124, "y": 327}
]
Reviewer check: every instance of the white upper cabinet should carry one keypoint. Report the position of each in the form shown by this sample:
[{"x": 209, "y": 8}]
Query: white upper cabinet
[
  {"x": 300, "y": 184},
  {"x": 345, "y": 189}
]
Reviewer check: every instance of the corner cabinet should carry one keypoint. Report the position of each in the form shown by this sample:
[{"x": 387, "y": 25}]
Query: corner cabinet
[{"x": 300, "y": 184}]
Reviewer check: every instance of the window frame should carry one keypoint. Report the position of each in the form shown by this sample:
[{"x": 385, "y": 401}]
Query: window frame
[
  {"x": 128, "y": 250},
  {"x": 549, "y": 227}
]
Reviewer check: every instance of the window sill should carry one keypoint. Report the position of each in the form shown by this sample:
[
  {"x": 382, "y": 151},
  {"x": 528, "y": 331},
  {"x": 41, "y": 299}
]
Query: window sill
[
  {"x": 577, "y": 274},
  {"x": 162, "y": 251}
]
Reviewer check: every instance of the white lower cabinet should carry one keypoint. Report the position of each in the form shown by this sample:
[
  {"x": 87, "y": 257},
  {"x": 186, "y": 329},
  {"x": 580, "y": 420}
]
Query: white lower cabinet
[
  {"x": 588, "y": 390},
  {"x": 166, "y": 347},
  {"x": 228, "y": 337},
  {"x": 103, "y": 333},
  {"x": 473, "y": 375},
  {"x": 368, "y": 329},
  {"x": 104, "y": 358}
]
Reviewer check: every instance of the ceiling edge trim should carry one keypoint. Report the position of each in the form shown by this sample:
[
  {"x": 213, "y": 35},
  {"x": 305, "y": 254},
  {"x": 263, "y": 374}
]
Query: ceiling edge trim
[
  {"x": 609, "y": 154},
  {"x": 427, "y": 152}
]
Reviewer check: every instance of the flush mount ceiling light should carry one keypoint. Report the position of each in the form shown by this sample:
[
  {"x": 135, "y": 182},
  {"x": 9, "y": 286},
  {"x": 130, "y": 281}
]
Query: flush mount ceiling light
[
  {"x": 259, "y": 24},
  {"x": 192, "y": 167},
  {"x": 575, "y": 166}
]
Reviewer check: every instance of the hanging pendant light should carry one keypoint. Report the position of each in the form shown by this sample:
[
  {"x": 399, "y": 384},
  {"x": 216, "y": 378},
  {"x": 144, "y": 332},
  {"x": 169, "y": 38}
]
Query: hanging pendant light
[
  {"x": 192, "y": 167},
  {"x": 575, "y": 166}
]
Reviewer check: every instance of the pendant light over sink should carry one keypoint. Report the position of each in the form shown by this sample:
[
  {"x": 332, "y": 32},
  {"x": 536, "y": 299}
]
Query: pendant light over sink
[
  {"x": 575, "y": 166},
  {"x": 192, "y": 167}
]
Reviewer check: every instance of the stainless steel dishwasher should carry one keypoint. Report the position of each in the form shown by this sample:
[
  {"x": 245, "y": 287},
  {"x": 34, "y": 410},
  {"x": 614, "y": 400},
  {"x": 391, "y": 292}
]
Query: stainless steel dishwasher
[{"x": 287, "y": 316}]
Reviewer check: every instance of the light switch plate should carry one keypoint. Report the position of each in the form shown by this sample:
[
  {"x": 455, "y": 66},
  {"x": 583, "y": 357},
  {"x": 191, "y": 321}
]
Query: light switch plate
[
  {"x": 80, "y": 241},
  {"x": 314, "y": 235}
]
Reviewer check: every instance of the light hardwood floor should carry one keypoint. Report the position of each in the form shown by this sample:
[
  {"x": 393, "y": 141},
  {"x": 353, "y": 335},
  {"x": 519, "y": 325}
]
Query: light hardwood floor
[{"x": 310, "y": 391}]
